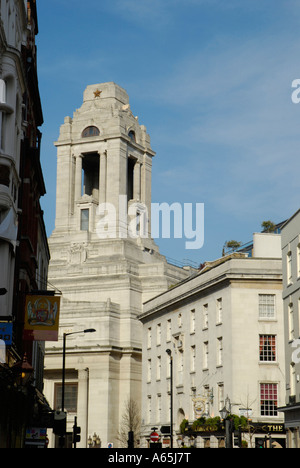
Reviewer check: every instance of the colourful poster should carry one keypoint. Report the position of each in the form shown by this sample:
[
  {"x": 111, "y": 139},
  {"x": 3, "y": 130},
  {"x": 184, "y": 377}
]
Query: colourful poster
[{"x": 41, "y": 318}]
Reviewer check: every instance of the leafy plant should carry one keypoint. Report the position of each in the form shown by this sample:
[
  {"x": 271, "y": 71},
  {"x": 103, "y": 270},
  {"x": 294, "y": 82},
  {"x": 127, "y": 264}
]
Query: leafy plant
[
  {"x": 184, "y": 426},
  {"x": 213, "y": 424},
  {"x": 233, "y": 244},
  {"x": 268, "y": 226},
  {"x": 209, "y": 424}
]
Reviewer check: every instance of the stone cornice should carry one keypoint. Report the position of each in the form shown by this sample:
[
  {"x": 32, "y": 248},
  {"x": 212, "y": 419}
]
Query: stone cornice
[
  {"x": 83, "y": 141},
  {"x": 186, "y": 291},
  {"x": 95, "y": 350}
]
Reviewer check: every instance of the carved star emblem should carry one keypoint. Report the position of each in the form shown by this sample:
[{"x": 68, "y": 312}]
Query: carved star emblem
[{"x": 97, "y": 93}]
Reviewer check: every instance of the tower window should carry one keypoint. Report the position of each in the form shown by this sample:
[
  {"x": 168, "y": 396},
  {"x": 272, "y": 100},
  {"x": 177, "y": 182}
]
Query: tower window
[
  {"x": 130, "y": 172},
  {"x": 84, "y": 219},
  {"x": 131, "y": 135},
  {"x": 90, "y": 179},
  {"x": 90, "y": 132}
]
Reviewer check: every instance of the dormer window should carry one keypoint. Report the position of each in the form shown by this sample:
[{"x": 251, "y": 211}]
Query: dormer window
[
  {"x": 90, "y": 132},
  {"x": 131, "y": 135}
]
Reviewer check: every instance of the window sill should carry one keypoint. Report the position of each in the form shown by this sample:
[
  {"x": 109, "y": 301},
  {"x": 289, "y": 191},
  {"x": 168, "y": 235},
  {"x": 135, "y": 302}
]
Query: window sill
[
  {"x": 268, "y": 363},
  {"x": 266, "y": 319}
]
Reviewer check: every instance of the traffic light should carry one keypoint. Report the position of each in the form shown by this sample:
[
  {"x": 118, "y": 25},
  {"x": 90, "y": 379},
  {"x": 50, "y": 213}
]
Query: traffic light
[
  {"x": 60, "y": 423},
  {"x": 238, "y": 437},
  {"x": 260, "y": 443},
  {"x": 76, "y": 433}
]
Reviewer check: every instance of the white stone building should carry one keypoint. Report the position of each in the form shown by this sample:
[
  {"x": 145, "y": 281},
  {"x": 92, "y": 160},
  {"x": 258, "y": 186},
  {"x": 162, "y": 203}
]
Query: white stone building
[
  {"x": 224, "y": 327},
  {"x": 103, "y": 260},
  {"x": 291, "y": 299}
]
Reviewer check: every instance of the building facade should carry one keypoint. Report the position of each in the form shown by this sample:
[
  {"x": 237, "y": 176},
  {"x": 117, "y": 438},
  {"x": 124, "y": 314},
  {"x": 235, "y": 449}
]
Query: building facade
[
  {"x": 103, "y": 260},
  {"x": 224, "y": 330},
  {"x": 13, "y": 35},
  {"x": 24, "y": 251},
  {"x": 291, "y": 299}
]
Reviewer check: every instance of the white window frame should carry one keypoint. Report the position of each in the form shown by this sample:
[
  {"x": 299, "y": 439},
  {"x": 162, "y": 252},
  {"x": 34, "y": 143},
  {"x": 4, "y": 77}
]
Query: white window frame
[{"x": 270, "y": 307}]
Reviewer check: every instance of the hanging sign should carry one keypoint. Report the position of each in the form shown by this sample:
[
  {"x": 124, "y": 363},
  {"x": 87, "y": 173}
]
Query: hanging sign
[{"x": 41, "y": 318}]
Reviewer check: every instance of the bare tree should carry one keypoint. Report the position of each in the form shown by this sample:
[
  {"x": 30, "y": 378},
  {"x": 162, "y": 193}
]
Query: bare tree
[
  {"x": 130, "y": 422},
  {"x": 250, "y": 428}
]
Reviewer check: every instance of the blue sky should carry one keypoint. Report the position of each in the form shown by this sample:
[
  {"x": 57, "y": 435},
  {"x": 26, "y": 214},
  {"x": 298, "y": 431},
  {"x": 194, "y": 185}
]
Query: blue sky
[{"x": 212, "y": 82}]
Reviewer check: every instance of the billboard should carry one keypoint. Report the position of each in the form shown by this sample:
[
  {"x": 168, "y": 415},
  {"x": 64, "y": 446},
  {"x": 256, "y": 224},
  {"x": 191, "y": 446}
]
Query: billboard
[{"x": 41, "y": 318}]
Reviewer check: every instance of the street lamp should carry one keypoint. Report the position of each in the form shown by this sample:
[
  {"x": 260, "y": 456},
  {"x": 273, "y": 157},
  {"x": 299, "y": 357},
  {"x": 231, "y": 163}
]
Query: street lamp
[
  {"x": 94, "y": 442},
  {"x": 24, "y": 372},
  {"x": 169, "y": 352},
  {"x": 88, "y": 330},
  {"x": 225, "y": 412}
]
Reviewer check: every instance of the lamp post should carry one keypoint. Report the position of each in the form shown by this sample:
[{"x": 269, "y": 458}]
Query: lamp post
[
  {"x": 88, "y": 330},
  {"x": 225, "y": 412},
  {"x": 169, "y": 352}
]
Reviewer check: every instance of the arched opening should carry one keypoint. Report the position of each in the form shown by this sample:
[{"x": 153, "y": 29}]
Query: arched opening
[
  {"x": 90, "y": 132},
  {"x": 131, "y": 135},
  {"x": 180, "y": 416}
]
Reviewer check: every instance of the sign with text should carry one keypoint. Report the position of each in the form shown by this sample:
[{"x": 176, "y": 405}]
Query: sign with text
[
  {"x": 41, "y": 318},
  {"x": 36, "y": 437},
  {"x": 268, "y": 428},
  {"x": 6, "y": 333}
]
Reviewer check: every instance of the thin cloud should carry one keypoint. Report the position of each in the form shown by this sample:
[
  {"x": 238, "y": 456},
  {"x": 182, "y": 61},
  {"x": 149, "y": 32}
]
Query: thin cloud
[{"x": 240, "y": 113}]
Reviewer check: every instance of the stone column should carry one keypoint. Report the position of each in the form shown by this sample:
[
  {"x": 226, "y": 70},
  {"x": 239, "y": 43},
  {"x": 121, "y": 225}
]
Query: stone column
[
  {"x": 78, "y": 178},
  {"x": 137, "y": 181},
  {"x": 102, "y": 178}
]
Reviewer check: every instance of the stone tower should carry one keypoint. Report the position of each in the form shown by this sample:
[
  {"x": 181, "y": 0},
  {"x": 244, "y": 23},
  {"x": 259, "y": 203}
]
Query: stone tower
[{"x": 103, "y": 260}]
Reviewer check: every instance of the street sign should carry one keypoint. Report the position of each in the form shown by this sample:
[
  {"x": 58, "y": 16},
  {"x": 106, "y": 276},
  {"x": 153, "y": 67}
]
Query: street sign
[{"x": 154, "y": 437}]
